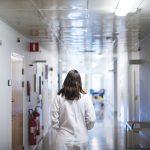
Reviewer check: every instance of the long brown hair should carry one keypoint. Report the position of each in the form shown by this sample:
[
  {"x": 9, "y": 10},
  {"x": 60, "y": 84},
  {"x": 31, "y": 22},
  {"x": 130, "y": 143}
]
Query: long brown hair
[{"x": 72, "y": 86}]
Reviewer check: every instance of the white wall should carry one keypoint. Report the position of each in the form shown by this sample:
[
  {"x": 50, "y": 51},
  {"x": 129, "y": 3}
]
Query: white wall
[
  {"x": 109, "y": 85},
  {"x": 122, "y": 94},
  {"x": 145, "y": 79},
  {"x": 8, "y": 37}
]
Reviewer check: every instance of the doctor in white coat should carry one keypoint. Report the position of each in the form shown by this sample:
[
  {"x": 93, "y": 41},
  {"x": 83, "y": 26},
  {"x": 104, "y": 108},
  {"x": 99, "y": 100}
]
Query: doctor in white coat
[{"x": 73, "y": 115}]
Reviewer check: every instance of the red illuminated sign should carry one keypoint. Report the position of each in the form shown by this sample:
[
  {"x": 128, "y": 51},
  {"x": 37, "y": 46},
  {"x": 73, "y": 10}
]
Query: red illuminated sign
[{"x": 34, "y": 47}]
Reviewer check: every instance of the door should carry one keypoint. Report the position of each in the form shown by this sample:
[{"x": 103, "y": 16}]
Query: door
[
  {"x": 17, "y": 103},
  {"x": 135, "y": 92}
]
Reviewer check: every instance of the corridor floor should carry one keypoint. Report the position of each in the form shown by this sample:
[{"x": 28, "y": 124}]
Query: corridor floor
[{"x": 107, "y": 134}]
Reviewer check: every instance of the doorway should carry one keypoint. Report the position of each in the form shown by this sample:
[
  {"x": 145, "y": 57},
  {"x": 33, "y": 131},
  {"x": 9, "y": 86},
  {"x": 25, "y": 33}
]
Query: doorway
[
  {"x": 17, "y": 102},
  {"x": 136, "y": 97},
  {"x": 134, "y": 92}
]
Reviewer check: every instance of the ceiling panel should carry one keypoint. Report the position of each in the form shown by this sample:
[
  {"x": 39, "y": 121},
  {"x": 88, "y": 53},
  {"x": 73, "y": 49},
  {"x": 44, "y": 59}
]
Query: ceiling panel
[
  {"x": 103, "y": 5},
  {"x": 22, "y": 18},
  {"x": 73, "y": 23},
  {"x": 87, "y": 27},
  {"x": 60, "y": 4},
  {"x": 144, "y": 4},
  {"x": 16, "y": 4},
  {"x": 65, "y": 14}
]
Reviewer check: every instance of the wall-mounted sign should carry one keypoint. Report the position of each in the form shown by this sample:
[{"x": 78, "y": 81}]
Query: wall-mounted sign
[{"x": 34, "y": 47}]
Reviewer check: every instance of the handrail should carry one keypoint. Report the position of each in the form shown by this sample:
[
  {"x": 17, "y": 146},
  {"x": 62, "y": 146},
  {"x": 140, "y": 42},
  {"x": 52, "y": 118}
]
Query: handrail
[
  {"x": 129, "y": 126},
  {"x": 132, "y": 126}
]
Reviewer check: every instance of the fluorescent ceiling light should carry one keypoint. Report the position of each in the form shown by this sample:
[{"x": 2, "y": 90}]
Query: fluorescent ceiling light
[
  {"x": 125, "y": 6},
  {"x": 99, "y": 56},
  {"x": 74, "y": 15},
  {"x": 77, "y": 23}
]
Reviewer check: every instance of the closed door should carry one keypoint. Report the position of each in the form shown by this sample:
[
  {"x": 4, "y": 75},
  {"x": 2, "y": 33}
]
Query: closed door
[
  {"x": 135, "y": 91},
  {"x": 17, "y": 103}
]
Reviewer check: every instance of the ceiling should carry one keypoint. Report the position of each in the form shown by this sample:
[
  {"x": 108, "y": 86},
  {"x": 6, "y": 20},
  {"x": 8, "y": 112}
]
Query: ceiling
[{"x": 82, "y": 28}]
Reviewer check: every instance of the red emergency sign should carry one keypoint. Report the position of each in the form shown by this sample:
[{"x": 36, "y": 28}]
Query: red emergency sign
[{"x": 34, "y": 47}]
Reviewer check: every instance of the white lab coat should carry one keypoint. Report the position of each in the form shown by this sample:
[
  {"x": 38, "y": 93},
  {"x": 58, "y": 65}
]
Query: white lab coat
[{"x": 72, "y": 120}]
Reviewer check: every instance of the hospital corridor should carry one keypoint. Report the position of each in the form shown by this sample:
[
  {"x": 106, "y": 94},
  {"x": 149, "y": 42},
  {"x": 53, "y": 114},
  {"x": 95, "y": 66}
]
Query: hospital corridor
[
  {"x": 104, "y": 46},
  {"x": 107, "y": 133}
]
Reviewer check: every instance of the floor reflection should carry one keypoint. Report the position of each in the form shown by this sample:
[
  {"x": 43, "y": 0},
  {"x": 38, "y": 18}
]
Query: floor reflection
[{"x": 107, "y": 134}]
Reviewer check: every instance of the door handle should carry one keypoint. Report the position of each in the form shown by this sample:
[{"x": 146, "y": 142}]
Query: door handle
[{"x": 136, "y": 98}]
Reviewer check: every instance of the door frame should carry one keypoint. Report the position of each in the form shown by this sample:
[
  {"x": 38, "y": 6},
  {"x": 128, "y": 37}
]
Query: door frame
[
  {"x": 15, "y": 56},
  {"x": 134, "y": 93}
]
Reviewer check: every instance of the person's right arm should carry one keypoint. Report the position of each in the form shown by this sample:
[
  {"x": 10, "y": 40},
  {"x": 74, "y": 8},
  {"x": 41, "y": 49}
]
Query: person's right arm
[{"x": 90, "y": 116}]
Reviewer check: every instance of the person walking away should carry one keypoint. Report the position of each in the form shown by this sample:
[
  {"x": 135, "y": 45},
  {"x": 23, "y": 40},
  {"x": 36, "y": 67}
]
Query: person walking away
[{"x": 73, "y": 115}]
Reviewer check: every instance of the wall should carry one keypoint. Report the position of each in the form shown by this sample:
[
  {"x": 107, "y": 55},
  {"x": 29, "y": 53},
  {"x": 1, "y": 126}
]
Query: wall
[
  {"x": 122, "y": 70},
  {"x": 109, "y": 85},
  {"x": 122, "y": 84},
  {"x": 49, "y": 53},
  {"x": 9, "y": 45},
  {"x": 145, "y": 80}
]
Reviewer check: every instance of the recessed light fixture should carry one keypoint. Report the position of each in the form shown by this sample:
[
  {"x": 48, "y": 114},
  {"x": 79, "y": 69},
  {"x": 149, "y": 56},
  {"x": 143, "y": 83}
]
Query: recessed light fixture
[{"x": 74, "y": 15}]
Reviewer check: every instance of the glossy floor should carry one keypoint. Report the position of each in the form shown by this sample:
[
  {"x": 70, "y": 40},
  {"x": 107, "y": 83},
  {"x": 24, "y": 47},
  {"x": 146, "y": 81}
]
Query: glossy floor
[{"x": 107, "y": 134}]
